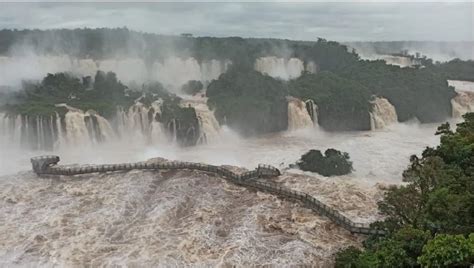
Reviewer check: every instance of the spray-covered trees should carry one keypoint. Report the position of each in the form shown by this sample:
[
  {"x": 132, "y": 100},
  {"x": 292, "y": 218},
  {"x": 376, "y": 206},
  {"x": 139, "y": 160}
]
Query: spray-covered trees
[{"x": 249, "y": 102}]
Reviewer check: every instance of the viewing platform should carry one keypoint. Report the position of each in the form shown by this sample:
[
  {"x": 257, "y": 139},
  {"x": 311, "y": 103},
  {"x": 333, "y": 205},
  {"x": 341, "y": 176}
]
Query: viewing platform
[{"x": 47, "y": 165}]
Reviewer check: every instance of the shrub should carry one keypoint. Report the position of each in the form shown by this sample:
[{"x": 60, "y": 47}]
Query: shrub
[{"x": 332, "y": 163}]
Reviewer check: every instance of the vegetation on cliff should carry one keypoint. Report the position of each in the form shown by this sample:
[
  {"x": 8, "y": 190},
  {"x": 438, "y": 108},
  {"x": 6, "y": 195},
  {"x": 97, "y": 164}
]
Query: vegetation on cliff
[
  {"x": 342, "y": 88},
  {"x": 249, "y": 102},
  {"x": 102, "y": 94},
  {"x": 343, "y": 104},
  {"x": 332, "y": 163},
  {"x": 430, "y": 219}
]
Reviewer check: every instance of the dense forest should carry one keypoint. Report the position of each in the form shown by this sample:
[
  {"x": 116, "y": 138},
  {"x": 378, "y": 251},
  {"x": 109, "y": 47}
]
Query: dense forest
[
  {"x": 431, "y": 218},
  {"x": 252, "y": 102}
]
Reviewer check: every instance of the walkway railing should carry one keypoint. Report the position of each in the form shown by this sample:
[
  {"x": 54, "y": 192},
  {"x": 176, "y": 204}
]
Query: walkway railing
[{"x": 47, "y": 165}]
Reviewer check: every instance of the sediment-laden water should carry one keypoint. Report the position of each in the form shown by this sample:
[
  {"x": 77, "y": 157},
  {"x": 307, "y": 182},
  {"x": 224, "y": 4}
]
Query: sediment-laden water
[{"x": 174, "y": 218}]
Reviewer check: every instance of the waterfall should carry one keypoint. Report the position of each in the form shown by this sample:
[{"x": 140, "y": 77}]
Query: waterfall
[
  {"x": 140, "y": 122},
  {"x": 174, "y": 130},
  {"x": 209, "y": 127},
  {"x": 59, "y": 130},
  {"x": 312, "y": 110},
  {"x": 35, "y": 132},
  {"x": 83, "y": 128},
  {"x": 298, "y": 116},
  {"x": 311, "y": 67},
  {"x": 175, "y": 71},
  {"x": 76, "y": 130},
  {"x": 383, "y": 113},
  {"x": 282, "y": 68},
  {"x": 463, "y": 102}
]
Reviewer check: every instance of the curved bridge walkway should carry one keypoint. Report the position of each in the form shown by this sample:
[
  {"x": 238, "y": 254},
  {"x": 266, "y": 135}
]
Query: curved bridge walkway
[{"x": 47, "y": 165}]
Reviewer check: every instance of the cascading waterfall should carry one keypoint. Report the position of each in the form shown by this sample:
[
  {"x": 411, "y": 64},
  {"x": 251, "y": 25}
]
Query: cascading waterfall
[
  {"x": 383, "y": 113},
  {"x": 283, "y": 68},
  {"x": 84, "y": 128},
  {"x": 141, "y": 122},
  {"x": 463, "y": 102},
  {"x": 298, "y": 115},
  {"x": 35, "y": 132},
  {"x": 311, "y": 67},
  {"x": 312, "y": 110},
  {"x": 75, "y": 128},
  {"x": 209, "y": 127}
]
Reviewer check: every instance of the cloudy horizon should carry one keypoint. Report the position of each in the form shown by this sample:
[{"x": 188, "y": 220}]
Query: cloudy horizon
[{"x": 343, "y": 22}]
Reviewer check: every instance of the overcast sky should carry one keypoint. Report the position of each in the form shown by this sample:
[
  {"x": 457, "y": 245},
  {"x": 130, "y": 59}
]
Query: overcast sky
[{"x": 302, "y": 21}]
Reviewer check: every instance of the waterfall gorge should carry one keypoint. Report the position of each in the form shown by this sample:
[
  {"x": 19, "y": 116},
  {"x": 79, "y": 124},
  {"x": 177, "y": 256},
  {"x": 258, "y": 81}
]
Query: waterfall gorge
[{"x": 383, "y": 113}]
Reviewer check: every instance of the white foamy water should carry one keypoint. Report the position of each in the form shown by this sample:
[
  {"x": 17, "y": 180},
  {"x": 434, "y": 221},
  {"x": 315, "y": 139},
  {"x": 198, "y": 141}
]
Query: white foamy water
[
  {"x": 185, "y": 218},
  {"x": 146, "y": 219},
  {"x": 463, "y": 102},
  {"x": 209, "y": 126},
  {"x": 283, "y": 68},
  {"x": 378, "y": 156}
]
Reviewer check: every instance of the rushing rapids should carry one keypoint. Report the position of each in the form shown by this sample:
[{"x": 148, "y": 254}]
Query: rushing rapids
[
  {"x": 283, "y": 68},
  {"x": 383, "y": 113},
  {"x": 298, "y": 116},
  {"x": 171, "y": 71},
  {"x": 168, "y": 218}
]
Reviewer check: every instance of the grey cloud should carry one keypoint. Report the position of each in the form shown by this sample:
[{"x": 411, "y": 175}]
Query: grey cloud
[{"x": 304, "y": 21}]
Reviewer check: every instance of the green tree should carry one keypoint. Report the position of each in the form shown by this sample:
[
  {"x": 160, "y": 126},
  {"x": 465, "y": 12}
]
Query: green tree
[
  {"x": 192, "y": 87},
  {"x": 447, "y": 251},
  {"x": 332, "y": 163}
]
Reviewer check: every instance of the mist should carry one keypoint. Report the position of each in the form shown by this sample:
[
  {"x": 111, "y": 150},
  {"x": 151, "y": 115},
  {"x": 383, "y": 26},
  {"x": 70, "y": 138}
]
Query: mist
[{"x": 438, "y": 51}]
